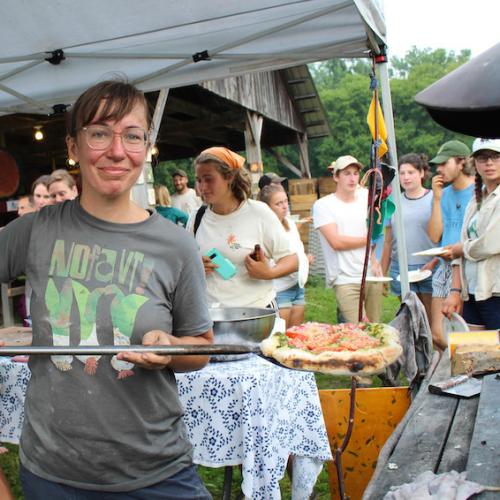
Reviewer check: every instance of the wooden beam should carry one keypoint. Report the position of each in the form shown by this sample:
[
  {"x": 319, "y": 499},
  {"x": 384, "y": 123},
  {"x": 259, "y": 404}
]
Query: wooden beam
[
  {"x": 229, "y": 119},
  {"x": 177, "y": 105},
  {"x": 253, "y": 133},
  {"x": 304, "y": 155},
  {"x": 305, "y": 96},
  {"x": 285, "y": 161}
]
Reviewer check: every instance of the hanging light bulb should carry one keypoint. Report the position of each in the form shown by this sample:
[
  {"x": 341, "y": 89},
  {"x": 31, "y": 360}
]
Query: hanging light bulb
[{"x": 38, "y": 135}]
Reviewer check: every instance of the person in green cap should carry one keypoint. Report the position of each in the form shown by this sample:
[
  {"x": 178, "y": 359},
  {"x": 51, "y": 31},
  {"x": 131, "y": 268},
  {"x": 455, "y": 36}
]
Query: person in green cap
[{"x": 455, "y": 171}]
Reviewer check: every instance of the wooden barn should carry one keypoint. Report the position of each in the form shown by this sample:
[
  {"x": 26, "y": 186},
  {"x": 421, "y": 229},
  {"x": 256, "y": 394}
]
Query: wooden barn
[{"x": 245, "y": 113}]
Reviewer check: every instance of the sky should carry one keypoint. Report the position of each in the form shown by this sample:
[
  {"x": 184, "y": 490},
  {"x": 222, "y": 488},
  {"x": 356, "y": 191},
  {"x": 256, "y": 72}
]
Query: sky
[{"x": 449, "y": 24}]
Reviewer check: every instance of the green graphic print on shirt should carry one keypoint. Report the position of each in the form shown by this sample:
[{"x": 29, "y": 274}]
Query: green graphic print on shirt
[{"x": 117, "y": 272}]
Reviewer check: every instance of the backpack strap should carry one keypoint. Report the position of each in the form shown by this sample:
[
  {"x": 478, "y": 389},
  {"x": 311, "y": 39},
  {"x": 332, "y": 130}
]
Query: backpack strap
[{"x": 197, "y": 218}]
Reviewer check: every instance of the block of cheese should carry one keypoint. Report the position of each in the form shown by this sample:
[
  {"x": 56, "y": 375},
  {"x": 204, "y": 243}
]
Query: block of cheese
[
  {"x": 475, "y": 358},
  {"x": 483, "y": 337}
]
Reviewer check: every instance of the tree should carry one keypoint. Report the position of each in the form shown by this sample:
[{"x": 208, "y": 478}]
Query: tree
[{"x": 346, "y": 97}]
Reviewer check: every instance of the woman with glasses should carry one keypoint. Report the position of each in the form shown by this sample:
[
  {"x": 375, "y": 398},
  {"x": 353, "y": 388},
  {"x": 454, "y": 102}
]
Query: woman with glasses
[
  {"x": 290, "y": 294},
  {"x": 106, "y": 271},
  {"x": 233, "y": 224},
  {"x": 476, "y": 268}
]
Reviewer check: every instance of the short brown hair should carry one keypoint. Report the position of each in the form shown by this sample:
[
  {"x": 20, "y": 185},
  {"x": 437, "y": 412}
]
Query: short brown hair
[
  {"x": 61, "y": 175},
  {"x": 43, "y": 179},
  {"x": 119, "y": 97}
]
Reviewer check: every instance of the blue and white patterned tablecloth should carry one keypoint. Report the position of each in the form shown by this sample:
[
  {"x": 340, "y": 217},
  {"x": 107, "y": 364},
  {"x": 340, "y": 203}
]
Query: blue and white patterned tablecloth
[
  {"x": 249, "y": 412},
  {"x": 254, "y": 413},
  {"x": 14, "y": 378}
]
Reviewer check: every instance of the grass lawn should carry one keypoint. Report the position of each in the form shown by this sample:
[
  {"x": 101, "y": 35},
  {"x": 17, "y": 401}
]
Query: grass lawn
[{"x": 320, "y": 307}]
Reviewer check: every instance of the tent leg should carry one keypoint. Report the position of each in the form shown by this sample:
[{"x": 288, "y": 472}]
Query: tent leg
[{"x": 396, "y": 190}]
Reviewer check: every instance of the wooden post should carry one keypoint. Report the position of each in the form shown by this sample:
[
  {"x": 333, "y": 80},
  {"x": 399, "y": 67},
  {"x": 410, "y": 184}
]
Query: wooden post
[
  {"x": 302, "y": 141},
  {"x": 142, "y": 192},
  {"x": 253, "y": 132}
]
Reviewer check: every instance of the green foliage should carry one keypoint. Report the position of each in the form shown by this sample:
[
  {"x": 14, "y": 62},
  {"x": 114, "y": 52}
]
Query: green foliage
[{"x": 344, "y": 88}]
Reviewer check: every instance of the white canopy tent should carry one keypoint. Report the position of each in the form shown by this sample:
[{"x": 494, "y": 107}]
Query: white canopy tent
[{"x": 52, "y": 51}]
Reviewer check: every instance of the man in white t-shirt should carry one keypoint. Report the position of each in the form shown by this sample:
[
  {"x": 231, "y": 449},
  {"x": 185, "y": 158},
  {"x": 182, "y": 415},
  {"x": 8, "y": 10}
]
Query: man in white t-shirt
[
  {"x": 341, "y": 218},
  {"x": 184, "y": 198}
]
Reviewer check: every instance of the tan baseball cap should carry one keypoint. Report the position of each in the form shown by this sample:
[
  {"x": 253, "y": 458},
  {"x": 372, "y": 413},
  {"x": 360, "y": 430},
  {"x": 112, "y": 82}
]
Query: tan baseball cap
[{"x": 343, "y": 162}]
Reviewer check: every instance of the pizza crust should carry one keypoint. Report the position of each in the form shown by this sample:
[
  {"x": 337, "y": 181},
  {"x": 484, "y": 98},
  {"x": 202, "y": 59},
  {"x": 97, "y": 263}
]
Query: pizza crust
[{"x": 362, "y": 362}]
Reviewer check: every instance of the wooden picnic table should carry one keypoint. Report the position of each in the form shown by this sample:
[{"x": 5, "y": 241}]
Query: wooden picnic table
[{"x": 444, "y": 433}]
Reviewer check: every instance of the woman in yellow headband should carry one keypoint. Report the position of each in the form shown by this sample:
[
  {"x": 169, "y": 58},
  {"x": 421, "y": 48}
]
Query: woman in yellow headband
[{"x": 233, "y": 224}]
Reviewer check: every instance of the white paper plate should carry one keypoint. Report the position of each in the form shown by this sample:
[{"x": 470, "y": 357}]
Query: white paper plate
[
  {"x": 417, "y": 275},
  {"x": 431, "y": 252},
  {"x": 378, "y": 279},
  {"x": 303, "y": 269}
]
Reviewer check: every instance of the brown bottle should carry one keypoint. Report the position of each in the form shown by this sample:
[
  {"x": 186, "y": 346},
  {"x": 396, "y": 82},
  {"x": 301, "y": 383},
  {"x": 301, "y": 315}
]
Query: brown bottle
[{"x": 255, "y": 255}]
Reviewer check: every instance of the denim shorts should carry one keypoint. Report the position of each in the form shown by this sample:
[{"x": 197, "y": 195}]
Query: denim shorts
[
  {"x": 293, "y": 296},
  {"x": 424, "y": 286},
  {"x": 185, "y": 485}
]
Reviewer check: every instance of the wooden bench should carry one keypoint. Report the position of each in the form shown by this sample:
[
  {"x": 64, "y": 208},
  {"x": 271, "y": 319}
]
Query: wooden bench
[
  {"x": 8, "y": 293},
  {"x": 442, "y": 434}
]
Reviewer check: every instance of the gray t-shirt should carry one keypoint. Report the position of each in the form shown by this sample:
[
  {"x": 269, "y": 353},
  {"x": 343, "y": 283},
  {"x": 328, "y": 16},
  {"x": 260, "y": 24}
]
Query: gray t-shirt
[
  {"x": 416, "y": 215},
  {"x": 97, "y": 422}
]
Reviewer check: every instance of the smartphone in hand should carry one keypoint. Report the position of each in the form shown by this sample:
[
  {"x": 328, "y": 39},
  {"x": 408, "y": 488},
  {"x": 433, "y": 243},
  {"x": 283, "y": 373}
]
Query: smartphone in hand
[{"x": 226, "y": 268}]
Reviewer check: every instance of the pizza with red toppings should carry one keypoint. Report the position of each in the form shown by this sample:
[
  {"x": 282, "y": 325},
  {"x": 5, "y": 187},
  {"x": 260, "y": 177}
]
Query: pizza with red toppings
[{"x": 344, "y": 349}]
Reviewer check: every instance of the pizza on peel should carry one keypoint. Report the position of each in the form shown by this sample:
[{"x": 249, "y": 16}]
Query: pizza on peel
[{"x": 344, "y": 349}]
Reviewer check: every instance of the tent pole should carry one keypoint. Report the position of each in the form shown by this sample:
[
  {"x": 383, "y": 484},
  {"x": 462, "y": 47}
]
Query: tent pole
[{"x": 396, "y": 190}]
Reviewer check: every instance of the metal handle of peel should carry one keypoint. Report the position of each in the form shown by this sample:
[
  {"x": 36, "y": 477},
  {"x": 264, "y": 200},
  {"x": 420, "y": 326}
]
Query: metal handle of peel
[{"x": 170, "y": 350}]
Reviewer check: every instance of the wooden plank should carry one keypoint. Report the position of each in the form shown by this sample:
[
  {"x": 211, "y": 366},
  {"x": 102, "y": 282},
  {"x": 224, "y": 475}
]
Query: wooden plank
[
  {"x": 457, "y": 446},
  {"x": 15, "y": 291},
  {"x": 7, "y": 306},
  {"x": 299, "y": 206},
  {"x": 423, "y": 439},
  {"x": 302, "y": 186},
  {"x": 483, "y": 465},
  {"x": 303, "y": 198},
  {"x": 326, "y": 185},
  {"x": 16, "y": 336}
]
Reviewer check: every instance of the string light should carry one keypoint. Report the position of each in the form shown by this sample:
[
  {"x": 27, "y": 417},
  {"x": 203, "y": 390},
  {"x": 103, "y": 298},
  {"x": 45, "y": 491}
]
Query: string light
[{"x": 38, "y": 135}]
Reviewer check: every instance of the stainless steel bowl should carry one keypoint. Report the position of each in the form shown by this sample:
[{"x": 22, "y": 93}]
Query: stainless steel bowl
[{"x": 242, "y": 325}]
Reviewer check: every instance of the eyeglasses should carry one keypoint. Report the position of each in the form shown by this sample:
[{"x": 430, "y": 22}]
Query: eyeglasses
[
  {"x": 100, "y": 137},
  {"x": 484, "y": 157}
]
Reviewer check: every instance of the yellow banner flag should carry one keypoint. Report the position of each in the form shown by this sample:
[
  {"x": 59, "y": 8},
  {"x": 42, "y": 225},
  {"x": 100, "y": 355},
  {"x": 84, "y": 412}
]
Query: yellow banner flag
[{"x": 382, "y": 132}]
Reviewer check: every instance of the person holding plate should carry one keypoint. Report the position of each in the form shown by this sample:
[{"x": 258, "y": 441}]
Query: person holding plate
[
  {"x": 290, "y": 293},
  {"x": 476, "y": 268},
  {"x": 416, "y": 205},
  {"x": 106, "y": 271}
]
